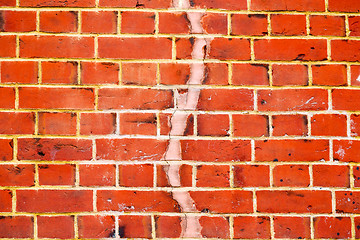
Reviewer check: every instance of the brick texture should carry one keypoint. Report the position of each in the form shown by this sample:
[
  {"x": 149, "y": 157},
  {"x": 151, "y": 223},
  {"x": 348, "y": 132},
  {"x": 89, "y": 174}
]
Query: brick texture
[{"x": 179, "y": 119}]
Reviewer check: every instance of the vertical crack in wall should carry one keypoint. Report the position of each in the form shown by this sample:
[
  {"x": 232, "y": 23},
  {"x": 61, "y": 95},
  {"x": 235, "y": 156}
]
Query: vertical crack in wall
[{"x": 188, "y": 100}]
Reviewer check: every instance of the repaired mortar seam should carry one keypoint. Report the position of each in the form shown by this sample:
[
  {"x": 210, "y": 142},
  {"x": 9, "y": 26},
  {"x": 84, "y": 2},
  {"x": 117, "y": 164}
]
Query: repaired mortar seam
[{"x": 190, "y": 225}]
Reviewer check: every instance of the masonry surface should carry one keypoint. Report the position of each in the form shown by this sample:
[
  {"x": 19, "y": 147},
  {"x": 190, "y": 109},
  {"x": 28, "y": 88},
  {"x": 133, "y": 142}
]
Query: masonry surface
[{"x": 157, "y": 119}]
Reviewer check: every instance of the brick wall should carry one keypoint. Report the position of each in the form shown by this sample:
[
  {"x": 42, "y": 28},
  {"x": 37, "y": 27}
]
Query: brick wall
[{"x": 231, "y": 119}]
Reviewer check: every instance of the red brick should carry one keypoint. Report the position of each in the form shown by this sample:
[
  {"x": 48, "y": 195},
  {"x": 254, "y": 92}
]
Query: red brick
[
  {"x": 7, "y": 3},
  {"x": 173, "y": 23},
  {"x": 138, "y": 73},
  {"x": 357, "y": 227},
  {"x": 184, "y": 47},
  {"x": 185, "y": 173},
  {"x": 56, "y": 98},
  {"x": 327, "y": 25},
  {"x": 288, "y": 5},
  {"x": 216, "y": 74},
  {"x": 17, "y": 227},
  {"x": 250, "y": 74},
  {"x": 59, "y": 72},
  {"x": 97, "y": 175},
  {"x": 229, "y": 49},
  {"x": 96, "y": 226},
  {"x": 290, "y": 75},
  {"x": 99, "y": 73},
  {"x": 213, "y": 176},
  {"x": 57, "y": 123},
  {"x": 214, "y": 227},
  {"x": 344, "y": 6},
  {"x": 221, "y": 4},
  {"x": 343, "y": 99},
  {"x": 5, "y": 202},
  {"x": 251, "y": 176},
  {"x": 249, "y": 24},
  {"x": 214, "y": 23},
  {"x": 216, "y": 150},
  {"x": 355, "y": 125},
  {"x": 289, "y": 125},
  {"x": 292, "y": 100},
  {"x": 346, "y": 151},
  {"x": 135, "y": 98},
  {"x": 17, "y": 175},
  {"x": 136, "y": 149},
  {"x": 59, "y": 174},
  {"x": 213, "y": 125},
  {"x": 56, "y": 47},
  {"x": 347, "y": 202},
  {"x": 328, "y": 125},
  {"x": 220, "y": 48},
  {"x": 140, "y": 175},
  {"x": 234, "y": 201},
  {"x": 57, "y": 3},
  {"x": 17, "y": 123},
  {"x": 136, "y": 201},
  {"x": 331, "y": 176},
  {"x": 226, "y": 99},
  {"x": 290, "y": 49},
  {"x": 292, "y": 227},
  {"x": 58, "y": 21},
  {"x": 356, "y": 173},
  {"x": 50, "y": 149},
  {"x": 300, "y": 201},
  {"x": 165, "y": 125},
  {"x": 135, "y": 48},
  {"x": 332, "y": 227},
  {"x": 136, "y": 3},
  {"x": 36, "y": 201},
  {"x": 17, "y": 21},
  {"x": 99, "y": 22},
  {"x": 291, "y": 176},
  {"x": 138, "y": 123},
  {"x": 345, "y": 50},
  {"x": 178, "y": 74},
  {"x": 292, "y": 150},
  {"x": 7, "y": 99},
  {"x": 168, "y": 226},
  {"x": 55, "y": 227},
  {"x": 288, "y": 25},
  {"x": 8, "y": 46},
  {"x": 252, "y": 227},
  {"x": 10, "y": 72},
  {"x": 138, "y": 22},
  {"x": 354, "y": 25},
  {"x": 330, "y": 75},
  {"x": 97, "y": 123},
  {"x": 250, "y": 125},
  {"x": 6, "y": 149},
  {"x": 174, "y": 73},
  {"x": 131, "y": 226},
  {"x": 355, "y": 73}
]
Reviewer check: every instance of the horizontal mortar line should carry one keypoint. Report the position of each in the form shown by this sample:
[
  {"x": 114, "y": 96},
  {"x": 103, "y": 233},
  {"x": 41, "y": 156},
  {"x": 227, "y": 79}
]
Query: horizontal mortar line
[
  {"x": 171, "y": 9},
  {"x": 185, "y": 36},
  {"x": 124, "y": 60},
  {"x": 166, "y": 137},
  {"x": 175, "y": 214},
  {"x": 181, "y": 189},
  {"x": 171, "y": 110},
  {"x": 177, "y": 87},
  {"x": 178, "y": 61},
  {"x": 177, "y": 162},
  {"x": 174, "y": 162}
]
